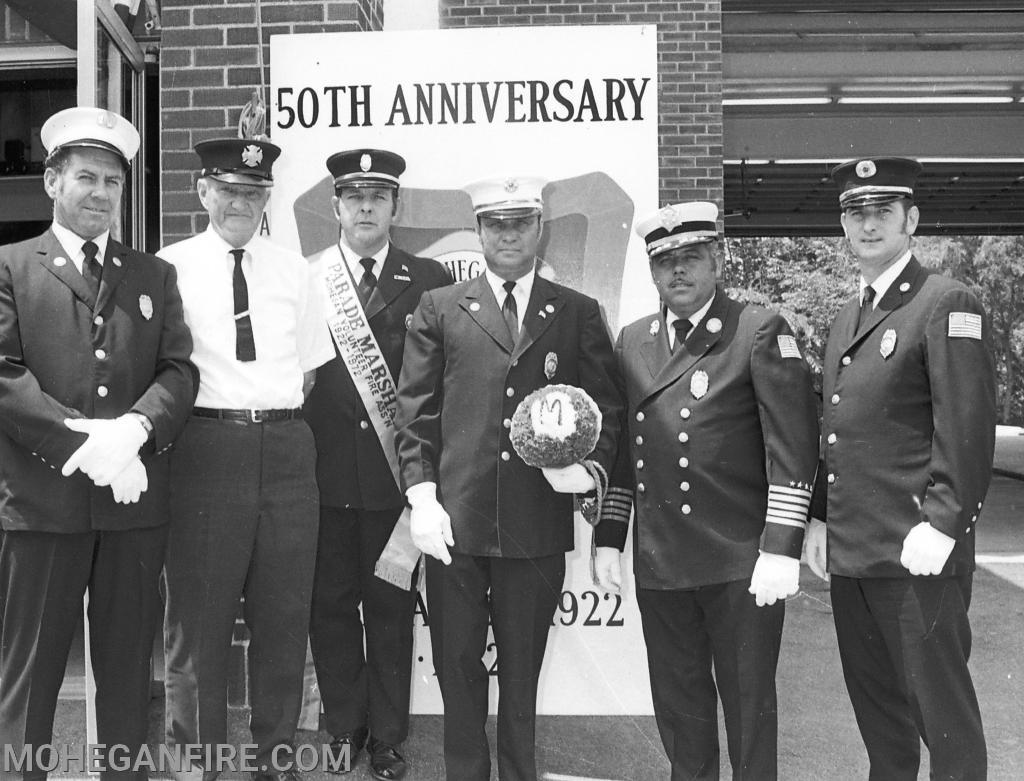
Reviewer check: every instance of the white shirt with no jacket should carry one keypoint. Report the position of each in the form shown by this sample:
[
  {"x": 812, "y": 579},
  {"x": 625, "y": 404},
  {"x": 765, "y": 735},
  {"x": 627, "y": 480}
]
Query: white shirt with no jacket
[{"x": 287, "y": 314}]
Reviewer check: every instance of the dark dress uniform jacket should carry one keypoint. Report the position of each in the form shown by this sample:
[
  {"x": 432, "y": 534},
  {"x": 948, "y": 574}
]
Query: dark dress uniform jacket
[
  {"x": 908, "y": 435},
  {"x": 351, "y": 467},
  {"x": 461, "y": 382},
  {"x": 65, "y": 355},
  {"x": 704, "y": 460}
]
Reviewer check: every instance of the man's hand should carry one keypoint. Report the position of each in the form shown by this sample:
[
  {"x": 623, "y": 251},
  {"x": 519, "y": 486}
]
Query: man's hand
[
  {"x": 129, "y": 486},
  {"x": 572, "y": 479},
  {"x": 775, "y": 577},
  {"x": 926, "y": 550},
  {"x": 429, "y": 523},
  {"x": 816, "y": 548},
  {"x": 111, "y": 446},
  {"x": 608, "y": 569}
]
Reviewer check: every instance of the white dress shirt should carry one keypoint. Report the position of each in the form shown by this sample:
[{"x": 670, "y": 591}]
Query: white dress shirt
[
  {"x": 884, "y": 280},
  {"x": 287, "y": 314},
  {"x": 72, "y": 244},
  {"x": 352, "y": 259},
  {"x": 695, "y": 318},
  {"x": 520, "y": 293}
]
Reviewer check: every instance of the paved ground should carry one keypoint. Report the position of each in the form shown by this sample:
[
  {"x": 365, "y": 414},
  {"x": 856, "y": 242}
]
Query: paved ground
[
  {"x": 818, "y": 737},
  {"x": 1010, "y": 451}
]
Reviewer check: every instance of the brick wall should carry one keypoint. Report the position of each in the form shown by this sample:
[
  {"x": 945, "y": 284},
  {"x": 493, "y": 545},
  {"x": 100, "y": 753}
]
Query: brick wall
[
  {"x": 689, "y": 73},
  {"x": 208, "y": 70}
]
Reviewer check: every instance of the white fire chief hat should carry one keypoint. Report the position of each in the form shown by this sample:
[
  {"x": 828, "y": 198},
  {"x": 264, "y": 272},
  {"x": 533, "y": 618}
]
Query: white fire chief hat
[
  {"x": 507, "y": 197},
  {"x": 678, "y": 225},
  {"x": 90, "y": 127}
]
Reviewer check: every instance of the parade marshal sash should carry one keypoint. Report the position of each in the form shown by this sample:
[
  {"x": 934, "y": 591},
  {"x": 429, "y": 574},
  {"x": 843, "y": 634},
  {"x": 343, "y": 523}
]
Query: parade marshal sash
[{"x": 370, "y": 374}]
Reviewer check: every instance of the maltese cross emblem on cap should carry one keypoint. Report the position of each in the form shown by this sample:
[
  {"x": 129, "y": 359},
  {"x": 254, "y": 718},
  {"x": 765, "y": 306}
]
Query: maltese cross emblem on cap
[
  {"x": 866, "y": 169},
  {"x": 670, "y": 218},
  {"x": 252, "y": 155},
  {"x": 106, "y": 119},
  {"x": 511, "y": 185},
  {"x": 365, "y": 163}
]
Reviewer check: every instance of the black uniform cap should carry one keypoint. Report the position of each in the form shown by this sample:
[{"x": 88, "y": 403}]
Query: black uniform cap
[
  {"x": 365, "y": 168},
  {"x": 238, "y": 160},
  {"x": 875, "y": 180}
]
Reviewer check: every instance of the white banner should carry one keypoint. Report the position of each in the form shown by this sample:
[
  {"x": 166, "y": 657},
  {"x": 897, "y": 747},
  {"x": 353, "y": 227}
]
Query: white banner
[{"x": 576, "y": 105}]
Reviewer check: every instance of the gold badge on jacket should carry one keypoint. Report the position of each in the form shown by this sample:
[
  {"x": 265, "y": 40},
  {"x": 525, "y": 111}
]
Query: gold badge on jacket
[
  {"x": 714, "y": 325},
  {"x": 408, "y": 322},
  {"x": 888, "y": 343},
  {"x": 699, "y": 384},
  {"x": 550, "y": 365},
  {"x": 146, "y": 306},
  {"x": 655, "y": 327}
]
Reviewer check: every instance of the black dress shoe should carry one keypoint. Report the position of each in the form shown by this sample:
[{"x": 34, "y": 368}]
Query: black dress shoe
[
  {"x": 350, "y": 743},
  {"x": 386, "y": 764}
]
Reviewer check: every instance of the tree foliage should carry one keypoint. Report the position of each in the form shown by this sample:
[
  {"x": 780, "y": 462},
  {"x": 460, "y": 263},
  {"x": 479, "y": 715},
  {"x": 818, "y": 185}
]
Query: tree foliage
[{"x": 809, "y": 279}]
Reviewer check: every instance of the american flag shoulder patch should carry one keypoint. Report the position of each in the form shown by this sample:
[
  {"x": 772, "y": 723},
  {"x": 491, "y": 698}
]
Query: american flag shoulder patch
[
  {"x": 966, "y": 325},
  {"x": 787, "y": 346}
]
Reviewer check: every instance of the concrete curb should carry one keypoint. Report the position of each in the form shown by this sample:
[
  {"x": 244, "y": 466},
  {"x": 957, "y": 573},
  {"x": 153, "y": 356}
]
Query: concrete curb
[{"x": 1011, "y": 473}]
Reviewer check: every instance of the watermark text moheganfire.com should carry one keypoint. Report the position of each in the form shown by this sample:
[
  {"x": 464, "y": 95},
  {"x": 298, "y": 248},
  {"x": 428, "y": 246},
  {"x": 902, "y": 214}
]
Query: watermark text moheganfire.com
[{"x": 220, "y": 757}]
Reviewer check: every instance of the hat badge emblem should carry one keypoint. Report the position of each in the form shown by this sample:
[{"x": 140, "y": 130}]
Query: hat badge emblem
[
  {"x": 670, "y": 217},
  {"x": 866, "y": 169},
  {"x": 252, "y": 155},
  {"x": 106, "y": 119},
  {"x": 365, "y": 163},
  {"x": 511, "y": 185}
]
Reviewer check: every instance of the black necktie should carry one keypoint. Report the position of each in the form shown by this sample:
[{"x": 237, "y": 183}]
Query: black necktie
[
  {"x": 367, "y": 282},
  {"x": 510, "y": 311},
  {"x": 682, "y": 326},
  {"x": 92, "y": 269},
  {"x": 866, "y": 306},
  {"x": 245, "y": 346}
]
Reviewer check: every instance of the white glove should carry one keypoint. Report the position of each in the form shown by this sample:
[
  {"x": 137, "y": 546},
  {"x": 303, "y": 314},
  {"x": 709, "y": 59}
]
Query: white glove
[
  {"x": 572, "y": 479},
  {"x": 926, "y": 550},
  {"x": 129, "y": 486},
  {"x": 816, "y": 548},
  {"x": 608, "y": 569},
  {"x": 429, "y": 523},
  {"x": 111, "y": 446},
  {"x": 775, "y": 577}
]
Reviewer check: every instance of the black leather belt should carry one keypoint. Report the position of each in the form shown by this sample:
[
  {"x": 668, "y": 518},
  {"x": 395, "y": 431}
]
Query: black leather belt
[{"x": 248, "y": 415}]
